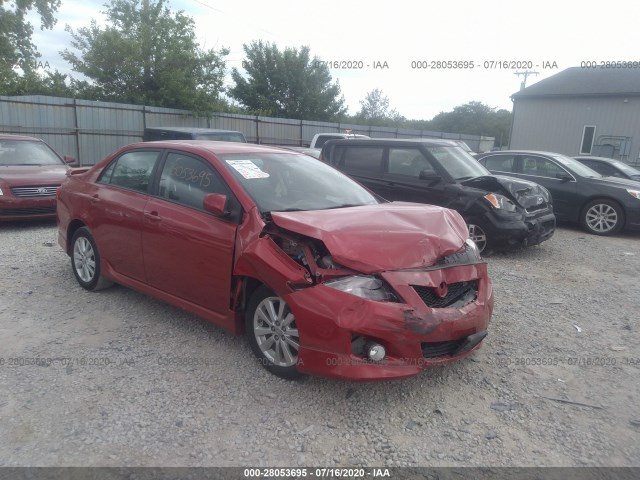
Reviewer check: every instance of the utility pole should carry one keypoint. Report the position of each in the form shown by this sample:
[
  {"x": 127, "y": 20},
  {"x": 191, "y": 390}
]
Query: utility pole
[{"x": 526, "y": 73}]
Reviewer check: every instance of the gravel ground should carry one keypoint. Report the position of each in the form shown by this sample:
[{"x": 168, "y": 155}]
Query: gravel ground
[{"x": 132, "y": 381}]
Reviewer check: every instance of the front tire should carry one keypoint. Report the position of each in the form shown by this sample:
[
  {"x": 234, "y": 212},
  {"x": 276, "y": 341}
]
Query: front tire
[
  {"x": 85, "y": 261},
  {"x": 602, "y": 217},
  {"x": 479, "y": 236},
  {"x": 273, "y": 334}
]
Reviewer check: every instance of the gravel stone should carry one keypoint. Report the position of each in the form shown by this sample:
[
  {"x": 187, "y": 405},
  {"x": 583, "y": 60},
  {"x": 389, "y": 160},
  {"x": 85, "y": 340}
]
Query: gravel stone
[{"x": 118, "y": 378}]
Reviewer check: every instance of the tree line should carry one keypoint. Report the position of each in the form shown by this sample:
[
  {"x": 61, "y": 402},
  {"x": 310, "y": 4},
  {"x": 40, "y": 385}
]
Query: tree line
[{"x": 147, "y": 54}]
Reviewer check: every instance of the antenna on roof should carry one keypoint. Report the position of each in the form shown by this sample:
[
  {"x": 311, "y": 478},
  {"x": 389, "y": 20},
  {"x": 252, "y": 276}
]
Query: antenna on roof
[{"x": 526, "y": 73}]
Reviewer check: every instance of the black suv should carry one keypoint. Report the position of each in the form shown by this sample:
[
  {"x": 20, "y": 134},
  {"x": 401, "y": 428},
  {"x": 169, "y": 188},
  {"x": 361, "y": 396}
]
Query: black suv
[
  {"x": 191, "y": 133},
  {"x": 500, "y": 211}
]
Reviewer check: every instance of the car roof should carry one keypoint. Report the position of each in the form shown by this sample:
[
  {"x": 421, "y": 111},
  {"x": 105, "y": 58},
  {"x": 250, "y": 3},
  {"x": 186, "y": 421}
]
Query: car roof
[
  {"x": 22, "y": 138},
  {"x": 364, "y": 141},
  {"x": 527, "y": 152},
  {"x": 191, "y": 130},
  {"x": 215, "y": 147}
]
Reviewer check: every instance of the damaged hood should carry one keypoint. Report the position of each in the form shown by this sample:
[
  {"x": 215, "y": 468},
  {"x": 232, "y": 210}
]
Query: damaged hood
[
  {"x": 374, "y": 238},
  {"x": 522, "y": 192}
]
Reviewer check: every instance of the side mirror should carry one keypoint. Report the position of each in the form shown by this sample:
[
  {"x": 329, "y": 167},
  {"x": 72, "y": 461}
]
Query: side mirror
[
  {"x": 565, "y": 177},
  {"x": 216, "y": 204},
  {"x": 430, "y": 176},
  {"x": 68, "y": 159}
]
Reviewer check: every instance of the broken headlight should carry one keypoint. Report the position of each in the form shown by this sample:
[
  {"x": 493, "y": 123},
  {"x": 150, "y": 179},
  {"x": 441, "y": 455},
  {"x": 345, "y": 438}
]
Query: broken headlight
[
  {"x": 500, "y": 202},
  {"x": 363, "y": 286},
  {"x": 467, "y": 255}
]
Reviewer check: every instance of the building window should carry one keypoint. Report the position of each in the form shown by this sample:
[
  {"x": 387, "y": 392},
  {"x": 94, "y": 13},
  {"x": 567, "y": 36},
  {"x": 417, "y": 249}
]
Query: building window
[{"x": 588, "y": 135}]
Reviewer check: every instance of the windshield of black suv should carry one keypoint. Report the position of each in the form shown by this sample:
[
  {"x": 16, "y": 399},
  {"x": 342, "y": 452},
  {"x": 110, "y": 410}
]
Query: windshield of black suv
[
  {"x": 458, "y": 163},
  {"x": 25, "y": 152},
  {"x": 576, "y": 167},
  {"x": 293, "y": 181}
]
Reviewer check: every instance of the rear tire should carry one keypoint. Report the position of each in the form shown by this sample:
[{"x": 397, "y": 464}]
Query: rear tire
[
  {"x": 85, "y": 261},
  {"x": 273, "y": 334},
  {"x": 602, "y": 217}
]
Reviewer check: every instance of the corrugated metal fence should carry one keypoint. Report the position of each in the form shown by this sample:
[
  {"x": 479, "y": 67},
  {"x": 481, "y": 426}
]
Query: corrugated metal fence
[{"x": 89, "y": 130}]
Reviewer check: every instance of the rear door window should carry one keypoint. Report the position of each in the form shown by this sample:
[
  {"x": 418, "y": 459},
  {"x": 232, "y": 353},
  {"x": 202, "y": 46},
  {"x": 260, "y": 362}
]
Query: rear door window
[
  {"x": 361, "y": 159},
  {"x": 500, "y": 163},
  {"x": 131, "y": 170}
]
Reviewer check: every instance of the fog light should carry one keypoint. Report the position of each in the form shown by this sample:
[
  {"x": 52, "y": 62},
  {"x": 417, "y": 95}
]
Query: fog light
[{"x": 375, "y": 352}]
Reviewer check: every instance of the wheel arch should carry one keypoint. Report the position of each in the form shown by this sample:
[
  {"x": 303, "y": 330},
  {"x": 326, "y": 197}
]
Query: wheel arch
[{"x": 74, "y": 225}]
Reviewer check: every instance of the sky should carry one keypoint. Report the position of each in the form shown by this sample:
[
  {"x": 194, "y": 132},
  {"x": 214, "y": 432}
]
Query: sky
[{"x": 499, "y": 37}]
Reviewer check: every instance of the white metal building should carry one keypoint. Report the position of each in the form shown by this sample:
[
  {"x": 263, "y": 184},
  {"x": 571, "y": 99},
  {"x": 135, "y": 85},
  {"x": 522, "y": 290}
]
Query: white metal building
[{"x": 588, "y": 111}]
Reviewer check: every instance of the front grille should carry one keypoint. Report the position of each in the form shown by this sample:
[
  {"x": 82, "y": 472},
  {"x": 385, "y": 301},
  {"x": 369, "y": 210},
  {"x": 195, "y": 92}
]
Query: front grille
[
  {"x": 538, "y": 208},
  {"x": 441, "y": 349},
  {"x": 16, "y": 212},
  {"x": 39, "y": 191},
  {"x": 457, "y": 295}
]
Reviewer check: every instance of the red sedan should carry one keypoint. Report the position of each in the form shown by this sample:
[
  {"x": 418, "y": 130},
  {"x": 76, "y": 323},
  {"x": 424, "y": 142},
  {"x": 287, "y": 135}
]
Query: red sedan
[
  {"x": 323, "y": 277},
  {"x": 30, "y": 173}
]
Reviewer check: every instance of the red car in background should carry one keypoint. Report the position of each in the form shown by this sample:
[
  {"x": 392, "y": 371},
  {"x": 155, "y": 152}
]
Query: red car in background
[
  {"x": 324, "y": 277},
  {"x": 30, "y": 173}
]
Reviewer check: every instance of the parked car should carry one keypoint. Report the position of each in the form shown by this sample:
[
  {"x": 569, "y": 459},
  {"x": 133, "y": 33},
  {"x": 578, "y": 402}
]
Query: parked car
[
  {"x": 319, "y": 139},
  {"x": 152, "y": 134},
  {"x": 602, "y": 205},
  {"x": 323, "y": 277},
  {"x": 30, "y": 173},
  {"x": 500, "y": 211},
  {"x": 609, "y": 167}
]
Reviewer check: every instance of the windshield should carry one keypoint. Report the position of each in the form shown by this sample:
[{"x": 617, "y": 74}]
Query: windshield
[
  {"x": 24, "y": 152},
  {"x": 577, "y": 167},
  {"x": 628, "y": 169},
  {"x": 291, "y": 182},
  {"x": 459, "y": 164}
]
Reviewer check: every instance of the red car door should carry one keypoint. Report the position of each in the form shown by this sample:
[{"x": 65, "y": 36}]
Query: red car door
[
  {"x": 116, "y": 206},
  {"x": 187, "y": 251}
]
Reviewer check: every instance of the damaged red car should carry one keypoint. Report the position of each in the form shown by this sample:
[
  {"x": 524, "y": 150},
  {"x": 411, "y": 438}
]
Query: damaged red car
[{"x": 324, "y": 277}]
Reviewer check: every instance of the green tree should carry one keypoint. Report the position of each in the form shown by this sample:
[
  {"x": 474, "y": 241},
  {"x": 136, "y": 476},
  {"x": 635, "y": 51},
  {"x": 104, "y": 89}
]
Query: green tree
[
  {"x": 286, "y": 84},
  {"x": 147, "y": 55},
  {"x": 374, "y": 110},
  {"x": 475, "y": 118},
  {"x": 16, "y": 47},
  {"x": 54, "y": 84}
]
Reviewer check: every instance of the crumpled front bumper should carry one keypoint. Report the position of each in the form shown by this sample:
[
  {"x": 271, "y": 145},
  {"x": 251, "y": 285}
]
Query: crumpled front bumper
[{"x": 328, "y": 320}]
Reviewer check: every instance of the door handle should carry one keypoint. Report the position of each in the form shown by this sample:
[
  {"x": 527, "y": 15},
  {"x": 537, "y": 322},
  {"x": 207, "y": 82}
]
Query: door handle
[
  {"x": 95, "y": 198},
  {"x": 152, "y": 216}
]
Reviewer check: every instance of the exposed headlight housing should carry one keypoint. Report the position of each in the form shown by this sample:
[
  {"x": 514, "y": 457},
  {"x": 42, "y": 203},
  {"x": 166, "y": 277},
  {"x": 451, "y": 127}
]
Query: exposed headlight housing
[
  {"x": 500, "y": 202},
  {"x": 467, "y": 255},
  {"x": 634, "y": 193},
  {"x": 364, "y": 286}
]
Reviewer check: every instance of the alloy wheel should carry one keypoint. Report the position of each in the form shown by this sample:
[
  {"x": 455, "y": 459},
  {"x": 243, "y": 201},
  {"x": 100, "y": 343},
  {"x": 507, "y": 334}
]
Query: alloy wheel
[
  {"x": 601, "y": 218},
  {"x": 476, "y": 233},
  {"x": 276, "y": 333},
  {"x": 84, "y": 259}
]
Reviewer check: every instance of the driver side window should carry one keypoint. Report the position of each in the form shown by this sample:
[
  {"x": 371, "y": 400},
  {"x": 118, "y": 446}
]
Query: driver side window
[
  {"x": 187, "y": 180},
  {"x": 409, "y": 162}
]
